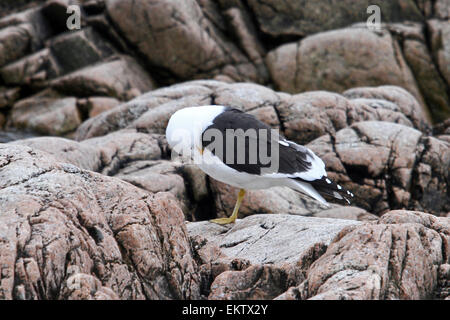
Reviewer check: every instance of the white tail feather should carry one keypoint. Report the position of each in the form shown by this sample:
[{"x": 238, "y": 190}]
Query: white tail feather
[{"x": 306, "y": 188}]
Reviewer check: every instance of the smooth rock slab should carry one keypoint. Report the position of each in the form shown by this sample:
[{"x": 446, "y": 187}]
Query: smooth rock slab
[{"x": 269, "y": 239}]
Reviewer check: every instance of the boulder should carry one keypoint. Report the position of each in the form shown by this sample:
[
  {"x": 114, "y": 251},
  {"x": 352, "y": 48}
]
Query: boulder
[
  {"x": 339, "y": 60},
  {"x": 46, "y": 114},
  {"x": 82, "y": 286},
  {"x": 71, "y": 233},
  {"x": 9, "y": 6},
  {"x": 133, "y": 157},
  {"x": 396, "y": 258},
  {"x": 183, "y": 40},
  {"x": 307, "y": 116},
  {"x": 106, "y": 155},
  {"x": 155, "y": 176},
  {"x": 15, "y": 43},
  {"x": 442, "y": 130},
  {"x": 83, "y": 156},
  {"x": 442, "y": 9},
  {"x": 23, "y": 32},
  {"x": 123, "y": 147},
  {"x": 248, "y": 40},
  {"x": 301, "y": 117},
  {"x": 301, "y": 18},
  {"x": 388, "y": 166},
  {"x": 346, "y": 212},
  {"x": 152, "y": 102},
  {"x": 432, "y": 84},
  {"x": 443, "y": 291},
  {"x": 259, "y": 282},
  {"x": 9, "y": 136},
  {"x": 331, "y": 119},
  {"x": 403, "y": 102},
  {"x": 440, "y": 45},
  {"x": 37, "y": 67},
  {"x": 404, "y": 255},
  {"x": 78, "y": 49},
  {"x": 121, "y": 78}
]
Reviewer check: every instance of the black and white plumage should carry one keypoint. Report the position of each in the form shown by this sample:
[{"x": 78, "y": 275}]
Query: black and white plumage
[{"x": 298, "y": 167}]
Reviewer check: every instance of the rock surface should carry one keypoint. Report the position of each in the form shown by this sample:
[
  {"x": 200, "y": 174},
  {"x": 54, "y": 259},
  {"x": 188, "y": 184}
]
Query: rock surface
[
  {"x": 143, "y": 161},
  {"x": 269, "y": 239},
  {"x": 388, "y": 166},
  {"x": 70, "y": 233},
  {"x": 402, "y": 256},
  {"x": 120, "y": 240},
  {"x": 371, "y": 139},
  {"x": 396, "y": 258},
  {"x": 46, "y": 114},
  {"x": 93, "y": 206},
  {"x": 301, "y": 117},
  {"x": 124, "y": 48},
  {"x": 304, "y": 17},
  {"x": 330, "y": 61},
  {"x": 184, "y": 40}
]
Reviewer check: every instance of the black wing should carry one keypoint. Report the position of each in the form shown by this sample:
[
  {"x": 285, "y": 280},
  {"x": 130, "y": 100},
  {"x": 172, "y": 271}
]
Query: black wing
[{"x": 291, "y": 158}]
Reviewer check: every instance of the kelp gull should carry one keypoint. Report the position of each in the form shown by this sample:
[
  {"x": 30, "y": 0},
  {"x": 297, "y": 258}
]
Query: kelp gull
[{"x": 240, "y": 163}]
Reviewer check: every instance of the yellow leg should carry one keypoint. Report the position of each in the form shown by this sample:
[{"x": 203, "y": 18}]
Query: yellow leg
[{"x": 235, "y": 211}]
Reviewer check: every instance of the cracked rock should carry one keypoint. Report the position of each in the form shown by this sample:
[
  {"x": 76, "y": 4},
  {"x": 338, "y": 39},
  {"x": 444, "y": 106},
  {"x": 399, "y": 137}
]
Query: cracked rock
[
  {"x": 331, "y": 61},
  {"x": 396, "y": 258},
  {"x": 388, "y": 166},
  {"x": 71, "y": 233},
  {"x": 300, "y": 17},
  {"x": 183, "y": 40}
]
